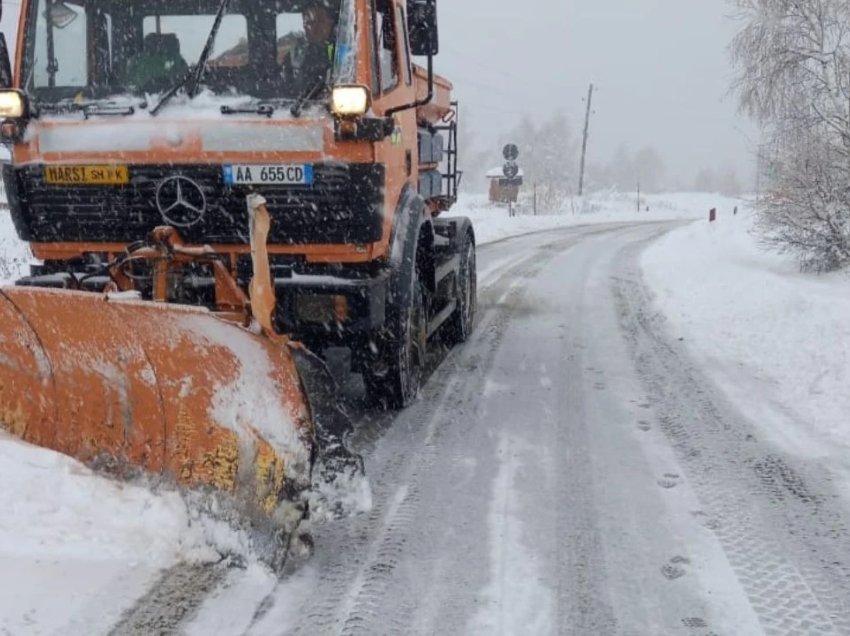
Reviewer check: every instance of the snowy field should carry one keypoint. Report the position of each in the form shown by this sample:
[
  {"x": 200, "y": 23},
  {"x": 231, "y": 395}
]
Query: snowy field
[
  {"x": 493, "y": 223},
  {"x": 775, "y": 340}
]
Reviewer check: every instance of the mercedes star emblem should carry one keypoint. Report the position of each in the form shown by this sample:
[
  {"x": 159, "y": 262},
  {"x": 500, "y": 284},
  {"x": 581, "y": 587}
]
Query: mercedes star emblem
[{"x": 180, "y": 201}]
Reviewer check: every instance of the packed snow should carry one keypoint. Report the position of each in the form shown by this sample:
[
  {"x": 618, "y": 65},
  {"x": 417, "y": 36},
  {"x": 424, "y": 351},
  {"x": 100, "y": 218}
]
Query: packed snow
[
  {"x": 532, "y": 600},
  {"x": 15, "y": 255},
  {"x": 776, "y": 340},
  {"x": 77, "y": 549}
]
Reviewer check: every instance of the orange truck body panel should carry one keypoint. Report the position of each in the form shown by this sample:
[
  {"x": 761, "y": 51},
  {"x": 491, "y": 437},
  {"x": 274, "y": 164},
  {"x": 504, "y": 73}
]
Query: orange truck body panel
[
  {"x": 165, "y": 149},
  {"x": 138, "y": 384},
  {"x": 440, "y": 105}
]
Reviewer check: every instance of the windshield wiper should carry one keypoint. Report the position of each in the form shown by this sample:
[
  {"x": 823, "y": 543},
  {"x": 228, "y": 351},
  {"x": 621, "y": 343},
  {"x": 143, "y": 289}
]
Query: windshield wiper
[
  {"x": 259, "y": 109},
  {"x": 308, "y": 94},
  {"x": 87, "y": 109},
  {"x": 193, "y": 78}
]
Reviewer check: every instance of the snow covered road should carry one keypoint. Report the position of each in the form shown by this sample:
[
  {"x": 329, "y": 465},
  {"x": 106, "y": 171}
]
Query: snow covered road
[{"x": 568, "y": 471}]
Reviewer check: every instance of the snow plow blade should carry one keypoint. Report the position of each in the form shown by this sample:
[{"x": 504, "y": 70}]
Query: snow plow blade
[{"x": 130, "y": 386}]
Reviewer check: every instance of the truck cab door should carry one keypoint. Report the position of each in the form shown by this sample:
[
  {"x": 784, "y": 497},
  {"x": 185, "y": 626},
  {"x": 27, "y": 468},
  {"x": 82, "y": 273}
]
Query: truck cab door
[{"x": 394, "y": 85}]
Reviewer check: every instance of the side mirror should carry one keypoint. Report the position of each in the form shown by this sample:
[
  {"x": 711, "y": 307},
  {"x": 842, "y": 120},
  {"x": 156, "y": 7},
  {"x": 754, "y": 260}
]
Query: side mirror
[
  {"x": 61, "y": 15},
  {"x": 5, "y": 64},
  {"x": 422, "y": 27}
]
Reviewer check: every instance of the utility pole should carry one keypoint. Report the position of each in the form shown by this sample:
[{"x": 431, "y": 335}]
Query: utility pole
[
  {"x": 638, "y": 197},
  {"x": 584, "y": 141},
  {"x": 535, "y": 198}
]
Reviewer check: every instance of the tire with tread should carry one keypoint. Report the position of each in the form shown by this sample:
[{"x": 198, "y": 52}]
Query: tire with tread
[{"x": 403, "y": 351}]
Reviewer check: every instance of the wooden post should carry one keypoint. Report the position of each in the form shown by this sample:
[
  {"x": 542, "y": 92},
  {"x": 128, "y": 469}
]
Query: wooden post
[
  {"x": 535, "y": 198},
  {"x": 584, "y": 141}
]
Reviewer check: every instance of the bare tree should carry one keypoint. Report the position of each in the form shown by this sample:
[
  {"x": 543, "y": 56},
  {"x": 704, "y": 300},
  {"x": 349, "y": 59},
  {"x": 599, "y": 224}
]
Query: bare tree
[
  {"x": 626, "y": 169},
  {"x": 621, "y": 172},
  {"x": 793, "y": 60},
  {"x": 474, "y": 159},
  {"x": 728, "y": 183},
  {"x": 651, "y": 171},
  {"x": 548, "y": 156},
  {"x": 705, "y": 181}
]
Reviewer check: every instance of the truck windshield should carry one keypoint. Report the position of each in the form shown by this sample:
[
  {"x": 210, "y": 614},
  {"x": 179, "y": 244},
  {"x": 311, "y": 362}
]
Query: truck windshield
[{"x": 87, "y": 50}]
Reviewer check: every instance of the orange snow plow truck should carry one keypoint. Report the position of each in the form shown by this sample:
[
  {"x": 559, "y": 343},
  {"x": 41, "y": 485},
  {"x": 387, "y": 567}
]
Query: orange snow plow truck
[{"x": 217, "y": 192}]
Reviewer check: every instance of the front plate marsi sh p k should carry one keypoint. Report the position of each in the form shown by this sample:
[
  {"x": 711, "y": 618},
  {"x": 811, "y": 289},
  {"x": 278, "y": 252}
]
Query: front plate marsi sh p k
[{"x": 86, "y": 175}]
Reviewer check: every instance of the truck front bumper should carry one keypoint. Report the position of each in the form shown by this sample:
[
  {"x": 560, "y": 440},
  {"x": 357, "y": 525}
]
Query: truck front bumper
[{"x": 331, "y": 309}]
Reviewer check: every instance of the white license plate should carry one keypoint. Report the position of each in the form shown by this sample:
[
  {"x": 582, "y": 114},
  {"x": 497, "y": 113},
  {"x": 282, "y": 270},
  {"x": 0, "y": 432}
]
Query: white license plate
[{"x": 289, "y": 174}]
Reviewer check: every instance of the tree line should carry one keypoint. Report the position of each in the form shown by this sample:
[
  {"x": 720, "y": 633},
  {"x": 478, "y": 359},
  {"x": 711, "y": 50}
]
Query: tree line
[{"x": 550, "y": 153}]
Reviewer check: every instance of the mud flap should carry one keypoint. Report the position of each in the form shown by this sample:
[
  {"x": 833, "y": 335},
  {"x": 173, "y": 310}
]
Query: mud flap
[{"x": 339, "y": 484}]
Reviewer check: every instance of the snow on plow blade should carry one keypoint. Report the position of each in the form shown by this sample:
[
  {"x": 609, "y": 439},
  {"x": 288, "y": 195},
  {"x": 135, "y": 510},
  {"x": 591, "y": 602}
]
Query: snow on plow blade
[{"x": 167, "y": 389}]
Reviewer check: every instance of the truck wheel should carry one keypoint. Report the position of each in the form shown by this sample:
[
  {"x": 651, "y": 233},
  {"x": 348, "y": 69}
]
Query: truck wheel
[
  {"x": 459, "y": 325},
  {"x": 404, "y": 352}
]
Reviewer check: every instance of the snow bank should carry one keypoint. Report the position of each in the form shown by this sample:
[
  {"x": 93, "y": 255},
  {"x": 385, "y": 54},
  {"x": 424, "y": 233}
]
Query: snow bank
[
  {"x": 492, "y": 223},
  {"x": 14, "y": 255},
  {"x": 58, "y": 508},
  {"x": 777, "y": 341},
  {"x": 77, "y": 549}
]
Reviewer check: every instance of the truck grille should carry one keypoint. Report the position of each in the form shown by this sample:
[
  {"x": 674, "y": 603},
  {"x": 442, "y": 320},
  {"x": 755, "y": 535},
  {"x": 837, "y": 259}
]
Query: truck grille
[{"x": 343, "y": 205}]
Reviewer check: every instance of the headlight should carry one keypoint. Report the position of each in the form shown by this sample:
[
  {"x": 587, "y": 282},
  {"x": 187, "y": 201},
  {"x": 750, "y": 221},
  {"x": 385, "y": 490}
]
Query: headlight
[
  {"x": 350, "y": 100},
  {"x": 12, "y": 104}
]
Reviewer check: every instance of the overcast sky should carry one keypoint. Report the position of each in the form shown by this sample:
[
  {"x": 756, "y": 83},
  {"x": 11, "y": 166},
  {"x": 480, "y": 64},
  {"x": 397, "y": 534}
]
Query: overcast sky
[{"x": 661, "y": 67}]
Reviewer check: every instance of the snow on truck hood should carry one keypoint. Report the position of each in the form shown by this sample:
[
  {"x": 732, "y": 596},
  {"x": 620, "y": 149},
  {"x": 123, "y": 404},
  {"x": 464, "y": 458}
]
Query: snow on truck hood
[
  {"x": 139, "y": 136},
  {"x": 198, "y": 125}
]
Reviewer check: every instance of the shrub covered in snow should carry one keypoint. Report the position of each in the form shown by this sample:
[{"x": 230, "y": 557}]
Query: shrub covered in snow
[{"x": 793, "y": 59}]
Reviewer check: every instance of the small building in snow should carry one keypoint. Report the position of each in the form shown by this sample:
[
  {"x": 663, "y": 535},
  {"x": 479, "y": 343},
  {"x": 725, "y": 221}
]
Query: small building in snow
[{"x": 503, "y": 189}]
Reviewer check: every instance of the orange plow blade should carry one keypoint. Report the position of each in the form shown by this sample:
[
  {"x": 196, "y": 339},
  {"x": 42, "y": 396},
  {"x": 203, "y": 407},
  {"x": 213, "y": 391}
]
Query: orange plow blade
[{"x": 170, "y": 390}]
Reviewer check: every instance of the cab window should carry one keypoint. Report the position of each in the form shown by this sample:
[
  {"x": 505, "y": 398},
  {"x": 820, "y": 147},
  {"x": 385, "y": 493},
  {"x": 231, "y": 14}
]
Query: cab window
[
  {"x": 385, "y": 28},
  {"x": 406, "y": 63},
  {"x": 60, "y": 55},
  {"x": 186, "y": 35},
  {"x": 290, "y": 31}
]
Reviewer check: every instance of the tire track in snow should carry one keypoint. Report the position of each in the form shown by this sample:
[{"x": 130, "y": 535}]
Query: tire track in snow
[
  {"x": 786, "y": 541},
  {"x": 347, "y": 597},
  {"x": 172, "y": 601},
  {"x": 335, "y": 576},
  {"x": 356, "y": 614},
  {"x": 508, "y": 292},
  {"x": 583, "y": 605}
]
